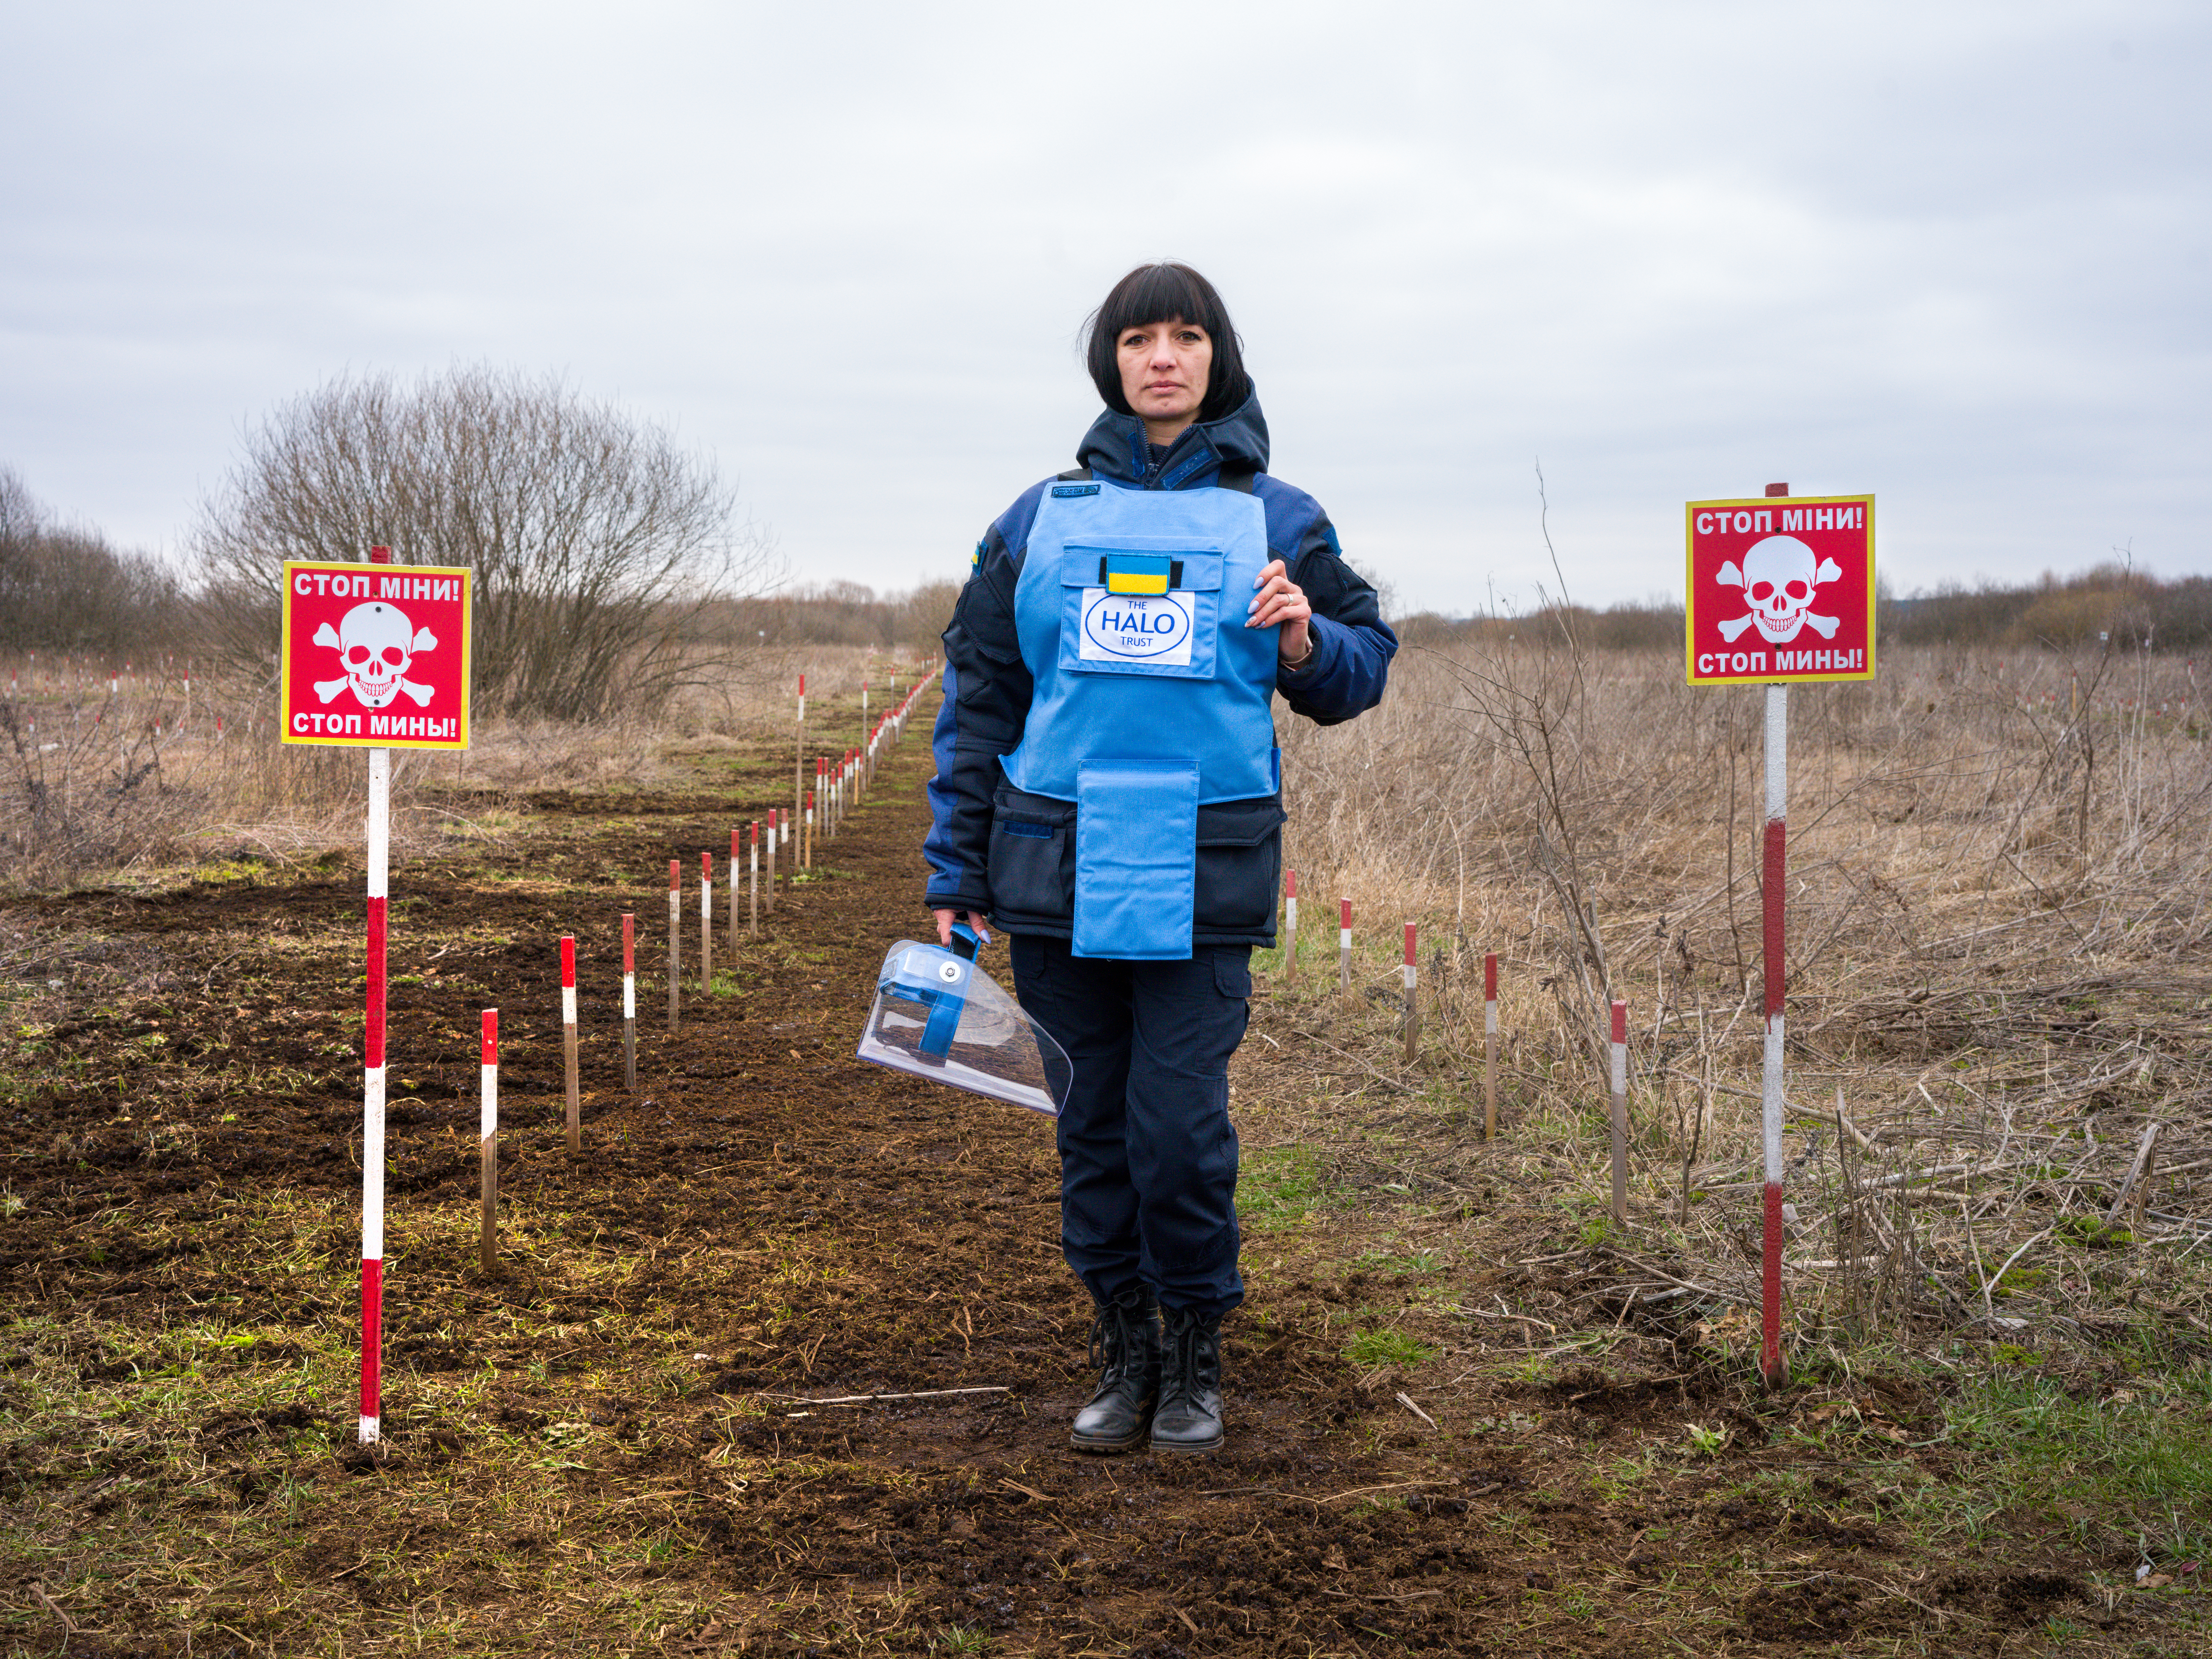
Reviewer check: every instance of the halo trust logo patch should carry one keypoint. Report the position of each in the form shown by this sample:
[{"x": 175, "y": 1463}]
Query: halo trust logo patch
[{"x": 1119, "y": 628}]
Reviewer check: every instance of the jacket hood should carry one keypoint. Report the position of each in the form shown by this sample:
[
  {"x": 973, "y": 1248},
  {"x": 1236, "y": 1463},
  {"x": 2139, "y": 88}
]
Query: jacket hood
[{"x": 1115, "y": 448}]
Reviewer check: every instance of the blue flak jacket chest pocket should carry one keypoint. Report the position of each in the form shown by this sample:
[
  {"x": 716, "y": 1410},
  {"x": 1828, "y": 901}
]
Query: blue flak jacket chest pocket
[{"x": 1148, "y": 605}]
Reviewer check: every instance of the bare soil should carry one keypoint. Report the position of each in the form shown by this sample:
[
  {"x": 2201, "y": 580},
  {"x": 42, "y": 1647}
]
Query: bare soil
[{"x": 616, "y": 1442}]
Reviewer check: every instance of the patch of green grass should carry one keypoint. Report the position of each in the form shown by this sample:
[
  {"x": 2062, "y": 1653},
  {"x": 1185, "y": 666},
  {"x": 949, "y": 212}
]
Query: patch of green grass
[
  {"x": 2139, "y": 1461},
  {"x": 1382, "y": 1347},
  {"x": 1276, "y": 1188},
  {"x": 1382, "y": 1261}
]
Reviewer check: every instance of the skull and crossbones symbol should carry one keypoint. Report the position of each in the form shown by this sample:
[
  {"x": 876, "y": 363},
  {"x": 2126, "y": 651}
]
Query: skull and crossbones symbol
[
  {"x": 1779, "y": 577},
  {"x": 376, "y": 646}
]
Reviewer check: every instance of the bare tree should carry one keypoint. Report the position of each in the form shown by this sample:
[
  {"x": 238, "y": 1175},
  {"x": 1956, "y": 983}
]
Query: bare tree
[
  {"x": 595, "y": 540},
  {"x": 67, "y": 590}
]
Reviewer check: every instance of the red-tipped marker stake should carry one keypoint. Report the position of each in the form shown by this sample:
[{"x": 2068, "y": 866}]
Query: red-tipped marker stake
[
  {"x": 1290, "y": 926},
  {"x": 1490, "y": 1045},
  {"x": 629, "y": 1001},
  {"x": 754, "y": 922},
  {"x": 1771, "y": 1365},
  {"x": 568, "y": 1041},
  {"x": 675, "y": 937},
  {"x": 706, "y": 924},
  {"x": 774, "y": 814},
  {"x": 1620, "y": 1113},
  {"x": 488, "y": 1143},
  {"x": 1412, "y": 1001},
  {"x": 1344, "y": 946},
  {"x": 798, "y": 785},
  {"x": 737, "y": 863}
]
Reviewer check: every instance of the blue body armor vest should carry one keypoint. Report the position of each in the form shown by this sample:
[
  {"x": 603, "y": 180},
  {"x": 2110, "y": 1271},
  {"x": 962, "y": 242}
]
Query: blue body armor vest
[{"x": 1151, "y": 695}]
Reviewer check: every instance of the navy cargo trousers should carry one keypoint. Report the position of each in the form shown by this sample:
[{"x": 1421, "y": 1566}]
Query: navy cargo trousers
[{"x": 1147, "y": 1155}]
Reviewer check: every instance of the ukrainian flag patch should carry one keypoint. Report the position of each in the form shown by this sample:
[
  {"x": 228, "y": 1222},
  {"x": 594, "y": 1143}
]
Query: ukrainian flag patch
[{"x": 1139, "y": 573}]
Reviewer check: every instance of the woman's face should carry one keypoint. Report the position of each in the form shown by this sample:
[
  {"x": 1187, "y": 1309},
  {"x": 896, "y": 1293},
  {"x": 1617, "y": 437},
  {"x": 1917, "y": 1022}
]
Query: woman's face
[{"x": 1164, "y": 369}]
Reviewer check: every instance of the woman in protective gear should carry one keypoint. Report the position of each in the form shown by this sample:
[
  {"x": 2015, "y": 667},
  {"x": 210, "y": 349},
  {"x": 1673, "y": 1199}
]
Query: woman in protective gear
[{"x": 1109, "y": 790}]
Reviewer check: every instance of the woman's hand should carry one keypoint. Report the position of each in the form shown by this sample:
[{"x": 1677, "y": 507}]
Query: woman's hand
[
  {"x": 946, "y": 918},
  {"x": 1280, "y": 600}
]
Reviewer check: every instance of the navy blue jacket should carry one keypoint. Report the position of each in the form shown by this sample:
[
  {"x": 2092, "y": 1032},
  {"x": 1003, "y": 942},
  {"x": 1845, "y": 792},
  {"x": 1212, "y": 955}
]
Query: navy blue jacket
[{"x": 988, "y": 690}]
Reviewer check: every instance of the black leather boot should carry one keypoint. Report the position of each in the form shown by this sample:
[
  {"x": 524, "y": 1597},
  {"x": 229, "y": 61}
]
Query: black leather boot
[
  {"x": 1125, "y": 1346},
  {"x": 1188, "y": 1418}
]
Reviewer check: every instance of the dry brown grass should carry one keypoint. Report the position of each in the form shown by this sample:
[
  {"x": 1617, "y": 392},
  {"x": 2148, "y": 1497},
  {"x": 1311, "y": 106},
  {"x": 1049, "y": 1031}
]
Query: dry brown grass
[
  {"x": 1996, "y": 974},
  {"x": 101, "y": 783}
]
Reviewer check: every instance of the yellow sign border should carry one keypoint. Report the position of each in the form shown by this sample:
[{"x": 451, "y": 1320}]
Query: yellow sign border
[
  {"x": 1690, "y": 510},
  {"x": 284, "y": 652}
]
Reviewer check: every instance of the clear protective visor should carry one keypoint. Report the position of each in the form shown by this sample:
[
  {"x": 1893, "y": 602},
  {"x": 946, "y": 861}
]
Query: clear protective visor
[{"x": 937, "y": 1016}]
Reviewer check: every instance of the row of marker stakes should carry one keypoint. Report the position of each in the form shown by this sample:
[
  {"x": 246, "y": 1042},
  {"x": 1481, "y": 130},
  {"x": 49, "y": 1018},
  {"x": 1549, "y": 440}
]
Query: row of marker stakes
[
  {"x": 1618, "y": 1046},
  {"x": 1411, "y": 1024},
  {"x": 781, "y": 836}
]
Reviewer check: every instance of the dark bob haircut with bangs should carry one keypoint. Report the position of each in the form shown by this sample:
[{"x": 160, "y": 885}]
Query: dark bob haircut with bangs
[{"x": 1153, "y": 293}]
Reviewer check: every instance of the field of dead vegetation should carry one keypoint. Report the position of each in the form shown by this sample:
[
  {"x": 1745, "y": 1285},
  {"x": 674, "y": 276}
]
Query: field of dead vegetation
[{"x": 1469, "y": 1411}]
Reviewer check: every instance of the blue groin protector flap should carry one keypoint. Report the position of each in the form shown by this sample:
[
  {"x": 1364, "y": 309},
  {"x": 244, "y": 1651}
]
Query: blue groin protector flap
[
  {"x": 938, "y": 1016},
  {"x": 1136, "y": 851}
]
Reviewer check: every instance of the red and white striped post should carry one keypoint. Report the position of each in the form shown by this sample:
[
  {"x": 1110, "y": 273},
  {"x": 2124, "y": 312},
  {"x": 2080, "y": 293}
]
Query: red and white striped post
[
  {"x": 675, "y": 938},
  {"x": 1289, "y": 925},
  {"x": 706, "y": 924},
  {"x": 1490, "y": 1045},
  {"x": 1343, "y": 946},
  {"x": 568, "y": 1041},
  {"x": 774, "y": 813},
  {"x": 809, "y": 844},
  {"x": 1771, "y": 895},
  {"x": 756, "y": 876},
  {"x": 373, "y": 1075},
  {"x": 1412, "y": 1000},
  {"x": 798, "y": 781},
  {"x": 1619, "y": 1113},
  {"x": 487, "y": 1142},
  {"x": 629, "y": 1001},
  {"x": 737, "y": 883},
  {"x": 372, "y": 1099}
]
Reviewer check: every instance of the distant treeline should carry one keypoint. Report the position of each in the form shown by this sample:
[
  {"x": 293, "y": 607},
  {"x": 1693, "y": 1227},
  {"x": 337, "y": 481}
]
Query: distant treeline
[
  {"x": 838, "y": 613},
  {"x": 2129, "y": 607},
  {"x": 63, "y": 589}
]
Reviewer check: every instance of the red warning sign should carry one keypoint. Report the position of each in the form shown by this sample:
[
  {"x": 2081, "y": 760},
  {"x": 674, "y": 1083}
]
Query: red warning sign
[
  {"x": 376, "y": 656},
  {"x": 1780, "y": 589}
]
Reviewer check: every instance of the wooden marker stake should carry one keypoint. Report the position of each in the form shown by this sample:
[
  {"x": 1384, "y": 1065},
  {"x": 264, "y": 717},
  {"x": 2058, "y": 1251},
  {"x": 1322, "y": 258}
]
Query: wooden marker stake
[
  {"x": 488, "y": 1143},
  {"x": 1344, "y": 946},
  {"x": 629, "y": 1001},
  {"x": 569, "y": 1040},
  {"x": 706, "y": 924},
  {"x": 736, "y": 858},
  {"x": 1412, "y": 1001},
  {"x": 774, "y": 813},
  {"x": 756, "y": 875},
  {"x": 1289, "y": 926},
  {"x": 1490, "y": 1045},
  {"x": 798, "y": 776},
  {"x": 675, "y": 938},
  {"x": 1620, "y": 1113}
]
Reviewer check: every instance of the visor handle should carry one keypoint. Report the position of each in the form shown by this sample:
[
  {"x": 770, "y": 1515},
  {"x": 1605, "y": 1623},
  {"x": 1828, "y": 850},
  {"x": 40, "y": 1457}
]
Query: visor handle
[{"x": 965, "y": 945}]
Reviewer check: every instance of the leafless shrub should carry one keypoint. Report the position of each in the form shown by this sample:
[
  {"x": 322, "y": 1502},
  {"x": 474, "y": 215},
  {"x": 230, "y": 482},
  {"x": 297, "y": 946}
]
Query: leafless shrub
[{"x": 597, "y": 543}]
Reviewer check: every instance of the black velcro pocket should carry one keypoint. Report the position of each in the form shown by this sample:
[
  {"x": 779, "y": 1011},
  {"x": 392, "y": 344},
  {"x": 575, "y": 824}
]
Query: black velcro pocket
[
  {"x": 1032, "y": 859},
  {"x": 1240, "y": 858}
]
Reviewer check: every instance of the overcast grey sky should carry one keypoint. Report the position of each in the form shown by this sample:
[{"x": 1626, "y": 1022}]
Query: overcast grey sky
[{"x": 1953, "y": 254}]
